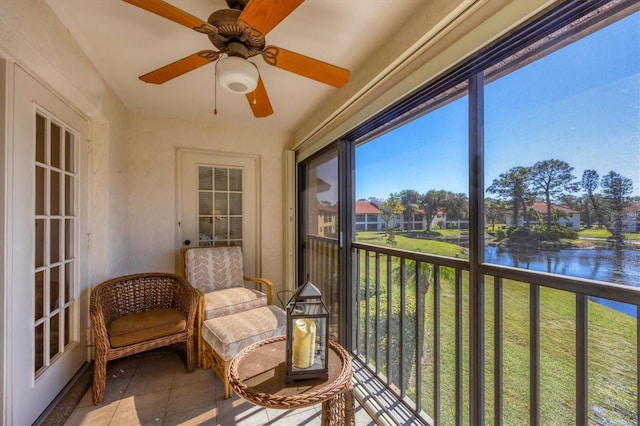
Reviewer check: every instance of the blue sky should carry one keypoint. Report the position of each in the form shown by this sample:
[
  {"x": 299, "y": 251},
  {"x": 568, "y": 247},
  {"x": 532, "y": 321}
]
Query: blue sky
[{"x": 580, "y": 104}]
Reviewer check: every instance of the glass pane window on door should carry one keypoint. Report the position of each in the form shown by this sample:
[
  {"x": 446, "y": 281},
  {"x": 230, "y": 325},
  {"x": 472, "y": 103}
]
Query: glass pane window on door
[
  {"x": 220, "y": 206},
  {"x": 55, "y": 223}
]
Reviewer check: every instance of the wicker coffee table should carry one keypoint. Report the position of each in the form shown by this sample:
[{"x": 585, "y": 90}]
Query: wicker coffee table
[{"x": 257, "y": 374}]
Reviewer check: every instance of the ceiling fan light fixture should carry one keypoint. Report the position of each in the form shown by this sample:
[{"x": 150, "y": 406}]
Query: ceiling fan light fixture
[{"x": 237, "y": 75}]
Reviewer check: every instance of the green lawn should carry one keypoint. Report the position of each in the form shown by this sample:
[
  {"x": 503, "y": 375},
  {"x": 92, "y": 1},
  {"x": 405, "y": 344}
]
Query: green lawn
[
  {"x": 409, "y": 239},
  {"x": 612, "y": 345},
  {"x": 595, "y": 233},
  {"x": 437, "y": 247},
  {"x": 604, "y": 234}
]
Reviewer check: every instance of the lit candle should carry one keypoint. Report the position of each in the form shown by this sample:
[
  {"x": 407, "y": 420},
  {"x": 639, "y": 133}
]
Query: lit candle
[{"x": 304, "y": 340}]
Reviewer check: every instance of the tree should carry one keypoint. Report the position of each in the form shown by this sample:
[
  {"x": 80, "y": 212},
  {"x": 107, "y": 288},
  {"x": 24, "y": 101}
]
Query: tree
[
  {"x": 573, "y": 201},
  {"x": 512, "y": 187},
  {"x": 590, "y": 182},
  {"x": 601, "y": 208},
  {"x": 390, "y": 208},
  {"x": 434, "y": 201},
  {"x": 597, "y": 205},
  {"x": 494, "y": 211},
  {"x": 616, "y": 190},
  {"x": 391, "y": 237},
  {"x": 409, "y": 199},
  {"x": 551, "y": 179},
  {"x": 457, "y": 206}
]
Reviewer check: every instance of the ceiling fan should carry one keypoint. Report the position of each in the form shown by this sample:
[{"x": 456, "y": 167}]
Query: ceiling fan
[{"x": 238, "y": 33}]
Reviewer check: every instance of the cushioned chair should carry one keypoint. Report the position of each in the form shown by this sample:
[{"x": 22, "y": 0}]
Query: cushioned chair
[
  {"x": 136, "y": 313},
  {"x": 230, "y": 315},
  {"x": 218, "y": 273}
]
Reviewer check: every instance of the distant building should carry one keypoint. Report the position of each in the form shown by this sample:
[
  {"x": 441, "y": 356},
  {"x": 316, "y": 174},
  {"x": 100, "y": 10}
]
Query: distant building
[
  {"x": 562, "y": 216},
  {"x": 439, "y": 221},
  {"x": 327, "y": 220},
  {"x": 414, "y": 219},
  {"x": 631, "y": 218},
  {"x": 369, "y": 218}
]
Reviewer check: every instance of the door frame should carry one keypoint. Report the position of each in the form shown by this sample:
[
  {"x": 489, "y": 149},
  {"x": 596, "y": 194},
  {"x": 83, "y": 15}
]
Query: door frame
[
  {"x": 254, "y": 159},
  {"x": 6, "y": 255}
]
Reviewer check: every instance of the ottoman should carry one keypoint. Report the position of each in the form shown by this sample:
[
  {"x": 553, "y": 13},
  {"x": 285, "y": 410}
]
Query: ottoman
[{"x": 223, "y": 337}]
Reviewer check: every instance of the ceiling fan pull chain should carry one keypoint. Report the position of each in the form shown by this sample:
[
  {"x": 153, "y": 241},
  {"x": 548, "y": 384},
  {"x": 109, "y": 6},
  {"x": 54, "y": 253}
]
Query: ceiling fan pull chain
[
  {"x": 254, "y": 98},
  {"x": 215, "y": 89}
]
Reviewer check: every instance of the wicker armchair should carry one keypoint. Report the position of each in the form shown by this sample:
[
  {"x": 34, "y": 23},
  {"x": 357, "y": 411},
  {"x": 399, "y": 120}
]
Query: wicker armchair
[{"x": 136, "y": 313}]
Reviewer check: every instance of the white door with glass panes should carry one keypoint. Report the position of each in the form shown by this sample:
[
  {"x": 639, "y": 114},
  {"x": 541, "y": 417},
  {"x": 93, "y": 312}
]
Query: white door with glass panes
[
  {"x": 220, "y": 202},
  {"x": 47, "y": 307}
]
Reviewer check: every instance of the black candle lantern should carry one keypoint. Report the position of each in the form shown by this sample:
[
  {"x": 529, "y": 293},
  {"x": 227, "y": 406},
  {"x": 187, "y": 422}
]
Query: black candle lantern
[{"x": 307, "y": 336}]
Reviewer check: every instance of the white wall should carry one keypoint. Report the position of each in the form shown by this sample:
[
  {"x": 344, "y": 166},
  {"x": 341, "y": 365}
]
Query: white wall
[{"x": 152, "y": 186}]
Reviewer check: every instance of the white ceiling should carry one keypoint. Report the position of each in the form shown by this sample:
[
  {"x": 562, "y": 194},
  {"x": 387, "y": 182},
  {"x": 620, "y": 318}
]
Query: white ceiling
[{"x": 124, "y": 42}]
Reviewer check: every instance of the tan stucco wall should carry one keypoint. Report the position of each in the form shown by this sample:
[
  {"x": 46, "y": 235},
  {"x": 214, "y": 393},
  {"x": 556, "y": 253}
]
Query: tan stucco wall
[
  {"x": 152, "y": 221},
  {"x": 33, "y": 37},
  {"x": 132, "y": 157}
]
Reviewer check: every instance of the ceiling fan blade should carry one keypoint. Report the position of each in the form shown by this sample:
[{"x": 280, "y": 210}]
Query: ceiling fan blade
[
  {"x": 259, "y": 101},
  {"x": 264, "y": 15},
  {"x": 174, "y": 14},
  {"x": 179, "y": 67},
  {"x": 305, "y": 66}
]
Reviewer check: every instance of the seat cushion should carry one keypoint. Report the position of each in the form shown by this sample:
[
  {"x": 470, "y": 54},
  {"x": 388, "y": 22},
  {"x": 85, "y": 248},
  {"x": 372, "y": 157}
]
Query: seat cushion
[
  {"x": 230, "y": 334},
  {"x": 146, "y": 325},
  {"x": 232, "y": 300}
]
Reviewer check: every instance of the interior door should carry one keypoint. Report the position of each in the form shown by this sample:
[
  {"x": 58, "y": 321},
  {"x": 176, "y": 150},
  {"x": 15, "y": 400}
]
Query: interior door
[
  {"x": 46, "y": 208},
  {"x": 219, "y": 203}
]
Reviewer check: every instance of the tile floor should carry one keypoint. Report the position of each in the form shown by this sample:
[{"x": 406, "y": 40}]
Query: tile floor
[{"x": 154, "y": 388}]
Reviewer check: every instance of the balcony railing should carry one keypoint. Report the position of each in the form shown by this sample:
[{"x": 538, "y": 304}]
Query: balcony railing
[
  {"x": 548, "y": 352},
  {"x": 542, "y": 341},
  {"x": 322, "y": 256}
]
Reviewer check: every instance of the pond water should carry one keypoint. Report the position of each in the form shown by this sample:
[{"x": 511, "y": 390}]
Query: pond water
[{"x": 619, "y": 266}]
